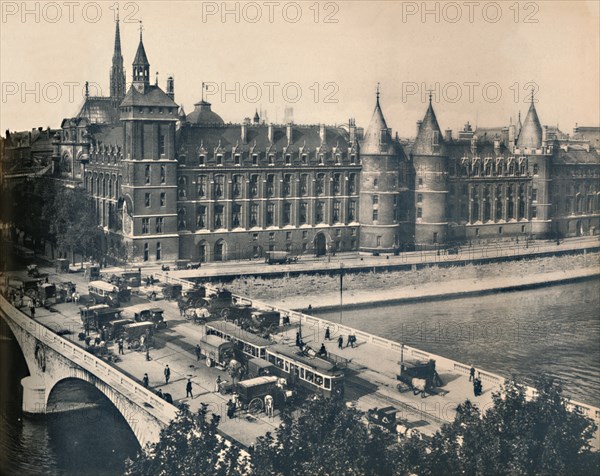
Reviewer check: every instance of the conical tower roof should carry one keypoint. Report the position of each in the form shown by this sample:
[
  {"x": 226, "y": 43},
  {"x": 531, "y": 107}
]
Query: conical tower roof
[
  {"x": 377, "y": 139},
  {"x": 530, "y": 136},
  {"x": 429, "y": 139},
  {"x": 140, "y": 56},
  {"x": 117, "y": 52}
]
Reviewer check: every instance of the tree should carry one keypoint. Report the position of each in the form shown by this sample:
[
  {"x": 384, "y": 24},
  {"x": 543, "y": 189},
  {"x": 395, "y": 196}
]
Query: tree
[
  {"x": 189, "y": 445},
  {"x": 514, "y": 437},
  {"x": 326, "y": 438}
]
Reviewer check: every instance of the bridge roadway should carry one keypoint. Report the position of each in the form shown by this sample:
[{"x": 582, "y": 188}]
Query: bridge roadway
[{"x": 371, "y": 375}]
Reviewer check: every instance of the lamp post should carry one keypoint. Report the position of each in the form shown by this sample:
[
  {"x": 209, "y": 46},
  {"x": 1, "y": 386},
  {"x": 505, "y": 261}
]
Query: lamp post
[{"x": 341, "y": 292}]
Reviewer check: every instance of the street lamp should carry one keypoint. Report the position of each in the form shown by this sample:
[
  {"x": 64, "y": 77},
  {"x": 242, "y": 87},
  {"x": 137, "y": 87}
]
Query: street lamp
[{"x": 341, "y": 291}]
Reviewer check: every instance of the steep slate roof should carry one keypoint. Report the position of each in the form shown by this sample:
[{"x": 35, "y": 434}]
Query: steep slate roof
[
  {"x": 154, "y": 97},
  {"x": 531, "y": 133},
  {"x": 372, "y": 143},
  {"x": 191, "y": 137},
  {"x": 106, "y": 134},
  {"x": 424, "y": 142},
  {"x": 458, "y": 150},
  {"x": 576, "y": 156}
]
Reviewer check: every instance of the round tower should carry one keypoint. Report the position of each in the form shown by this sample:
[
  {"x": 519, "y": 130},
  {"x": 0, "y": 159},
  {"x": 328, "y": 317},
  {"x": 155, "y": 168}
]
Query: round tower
[
  {"x": 431, "y": 182},
  {"x": 380, "y": 159}
]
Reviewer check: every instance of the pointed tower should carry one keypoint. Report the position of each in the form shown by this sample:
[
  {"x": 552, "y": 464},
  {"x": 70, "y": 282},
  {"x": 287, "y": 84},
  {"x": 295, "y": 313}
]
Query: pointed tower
[
  {"x": 431, "y": 187},
  {"x": 379, "y": 187},
  {"x": 534, "y": 201},
  {"x": 141, "y": 68},
  {"x": 117, "y": 73},
  {"x": 530, "y": 136}
]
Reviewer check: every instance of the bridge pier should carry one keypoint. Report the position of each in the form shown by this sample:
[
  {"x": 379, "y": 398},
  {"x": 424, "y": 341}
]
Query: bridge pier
[{"x": 34, "y": 395}]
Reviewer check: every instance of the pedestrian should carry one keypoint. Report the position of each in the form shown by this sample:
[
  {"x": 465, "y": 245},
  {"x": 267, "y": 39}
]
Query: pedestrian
[
  {"x": 160, "y": 394},
  {"x": 32, "y": 309},
  {"x": 269, "y": 408},
  {"x": 145, "y": 380},
  {"x": 198, "y": 352},
  {"x": 230, "y": 408},
  {"x": 323, "y": 350},
  {"x": 340, "y": 342},
  {"x": 218, "y": 384},
  {"x": 46, "y": 280},
  {"x": 298, "y": 340},
  {"x": 327, "y": 333},
  {"x": 472, "y": 374},
  {"x": 167, "y": 373},
  {"x": 121, "y": 346},
  {"x": 188, "y": 389}
]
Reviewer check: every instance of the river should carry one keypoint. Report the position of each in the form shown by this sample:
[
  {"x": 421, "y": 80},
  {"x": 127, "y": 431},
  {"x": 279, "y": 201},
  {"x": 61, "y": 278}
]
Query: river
[{"x": 554, "y": 330}]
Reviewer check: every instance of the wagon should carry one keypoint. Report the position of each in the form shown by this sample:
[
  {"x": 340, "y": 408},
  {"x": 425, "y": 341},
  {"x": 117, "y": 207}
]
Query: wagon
[
  {"x": 419, "y": 376},
  {"x": 154, "y": 315},
  {"x": 217, "y": 350},
  {"x": 252, "y": 393},
  {"x": 138, "y": 334}
]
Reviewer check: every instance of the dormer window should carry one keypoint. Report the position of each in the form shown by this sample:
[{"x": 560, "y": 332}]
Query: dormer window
[
  {"x": 288, "y": 159},
  {"x": 352, "y": 159},
  {"x": 304, "y": 159},
  {"x": 436, "y": 138},
  {"x": 271, "y": 159},
  {"x": 236, "y": 159},
  {"x": 338, "y": 159},
  {"x": 255, "y": 159},
  {"x": 219, "y": 159},
  {"x": 321, "y": 159},
  {"x": 202, "y": 160}
]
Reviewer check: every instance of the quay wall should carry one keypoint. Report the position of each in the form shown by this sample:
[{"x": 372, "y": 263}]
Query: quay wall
[{"x": 406, "y": 352}]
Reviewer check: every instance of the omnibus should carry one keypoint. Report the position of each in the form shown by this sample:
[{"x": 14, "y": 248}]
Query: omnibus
[
  {"x": 312, "y": 373},
  {"x": 248, "y": 344},
  {"x": 103, "y": 292}
]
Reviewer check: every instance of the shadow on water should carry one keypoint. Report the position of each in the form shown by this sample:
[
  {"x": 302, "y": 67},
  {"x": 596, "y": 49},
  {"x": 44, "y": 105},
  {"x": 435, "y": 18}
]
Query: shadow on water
[{"x": 93, "y": 439}]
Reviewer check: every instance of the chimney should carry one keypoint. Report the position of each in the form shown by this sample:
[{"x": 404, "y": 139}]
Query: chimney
[
  {"x": 288, "y": 133},
  {"x": 244, "y": 133},
  {"x": 511, "y": 137},
  {"x": 270, "y": 132},
  {"x": 322, "y": 133},
  {"x": 497, "y": 145},
  {"x": 419, "y": 122},
  {"x": 544, "y": 137},
  {"x": 171, "y": 87},
  {"x": 352, "y": 127},
  {"x": 474, "y": 145},
  {"x": 448, "y": 135}
]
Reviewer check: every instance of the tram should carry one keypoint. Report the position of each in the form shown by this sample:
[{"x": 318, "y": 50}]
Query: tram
[{"x": 310, "y": 372}]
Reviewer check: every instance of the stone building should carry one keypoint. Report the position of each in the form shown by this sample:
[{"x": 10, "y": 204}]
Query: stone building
[{"x": 193, "y": 187}]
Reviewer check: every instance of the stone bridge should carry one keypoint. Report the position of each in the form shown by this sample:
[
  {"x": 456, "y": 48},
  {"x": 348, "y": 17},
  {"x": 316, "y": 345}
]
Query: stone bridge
[{"x": 52, "y": 359}]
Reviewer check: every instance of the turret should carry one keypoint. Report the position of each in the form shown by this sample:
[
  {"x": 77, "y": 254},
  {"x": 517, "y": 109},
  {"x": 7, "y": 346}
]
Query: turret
[
  {"x": 141, "y": 68},
  {"x": 380, "y": 201},
  {"x": 171, "y": 87},
  {"x": 431, "y": 188},
  {"x": 530, "y": 136}
]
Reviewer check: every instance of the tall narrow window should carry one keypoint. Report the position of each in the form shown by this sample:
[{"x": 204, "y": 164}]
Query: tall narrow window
[
  {"x": 159, "y": 225},
  {"x": 253, "y": 185},
  {"x": 236, "y": 215},
  {"x": 147, "y": 200},
  {"x": 158, "y": 251},
  {"x": 254, "y": 214},
  {"x": 270, "y": 214},
  {"x": 219, "y": 186},
  {"x": 163, "y": 174},
  {"x": 336, "y": 211},
  {"x": 218, "y": 216},
  {"x": 201, "y": 217},
  {"x": 287, "y": 214},
  {"x": 146, "y": 175},
  {"x": 270, "y": 185},
  {"x": 162, "y": 199},
  {"x": 201, "y": 186},
  {"x": 303, "y": 213},
  {"x": 145, "y": 225},
  {"x": 304, "y": 184},
  {"x": 161, "y": 145},
  {"x": 319, "y": 212}
]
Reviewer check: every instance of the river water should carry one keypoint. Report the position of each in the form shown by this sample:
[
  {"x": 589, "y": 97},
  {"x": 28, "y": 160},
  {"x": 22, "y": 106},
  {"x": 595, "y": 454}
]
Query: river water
[{"x": 554, "y": 330}]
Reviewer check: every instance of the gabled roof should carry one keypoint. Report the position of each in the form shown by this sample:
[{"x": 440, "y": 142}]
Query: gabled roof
[
  {"x": 425, "y": 138},
  {"x": 530, "y": 136},
  {"x": 377, "y": 139},
  {"x": 154, "y": 97}
]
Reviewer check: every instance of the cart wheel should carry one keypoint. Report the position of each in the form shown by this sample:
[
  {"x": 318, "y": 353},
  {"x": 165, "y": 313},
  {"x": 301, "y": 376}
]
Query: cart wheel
[
  {"x": 401, "y": 387},
  {"x": 135, "y": 344},
  {"x": 225, "y": 313},
  {"x": 209, "y": 362},
  {"x": 416, "y": 391},
  {"x": 255, "y": 406}
]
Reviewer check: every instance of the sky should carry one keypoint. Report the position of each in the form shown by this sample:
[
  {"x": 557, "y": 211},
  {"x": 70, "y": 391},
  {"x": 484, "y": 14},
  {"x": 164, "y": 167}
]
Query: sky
[{"x": 325, "y": 59}]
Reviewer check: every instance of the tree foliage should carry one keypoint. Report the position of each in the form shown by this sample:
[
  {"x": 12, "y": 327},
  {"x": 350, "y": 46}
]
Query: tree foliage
[
  {"x": 190, "y": 445},
  {"x": 515, "y": 436}
]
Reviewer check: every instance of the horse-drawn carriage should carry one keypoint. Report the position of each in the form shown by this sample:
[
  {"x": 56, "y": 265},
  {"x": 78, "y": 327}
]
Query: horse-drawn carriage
[{"x": 419, "y": 376}]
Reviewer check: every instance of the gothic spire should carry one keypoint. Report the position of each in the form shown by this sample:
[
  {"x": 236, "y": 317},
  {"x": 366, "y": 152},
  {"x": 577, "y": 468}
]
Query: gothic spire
[{"x": 117, "y": 73}]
